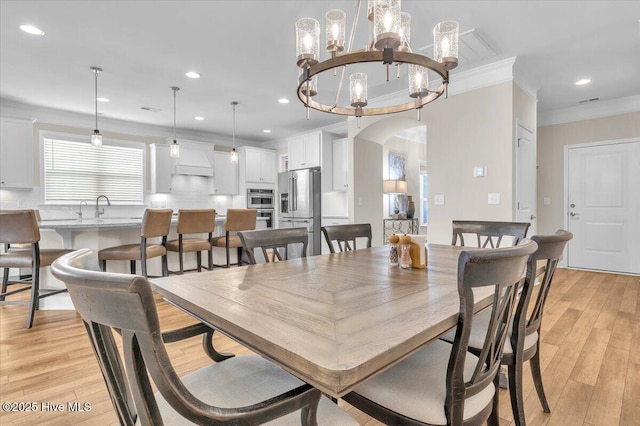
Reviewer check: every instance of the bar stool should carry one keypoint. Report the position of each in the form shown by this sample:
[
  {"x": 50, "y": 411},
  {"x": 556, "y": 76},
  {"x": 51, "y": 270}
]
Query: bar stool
[
  {"x": 237, "y": 220},
  {"x": 194, "y": 221},
  {"x": 155, "y": 223},
  {"x": 20, "y": 227}
]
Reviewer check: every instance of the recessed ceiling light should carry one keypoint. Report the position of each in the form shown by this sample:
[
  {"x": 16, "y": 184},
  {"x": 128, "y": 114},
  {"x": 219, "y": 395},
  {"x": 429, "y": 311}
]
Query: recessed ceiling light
[
  {"x": 199, "y": 118},
  {"x": 32, "y": 30},
  {"x": 266, "y": 131},
  {"x": 583, "y": 81},
  {"x": 283, "y": 100},
  {"x": 192, "y": 74},
  {"x": 102, "y": 99}
]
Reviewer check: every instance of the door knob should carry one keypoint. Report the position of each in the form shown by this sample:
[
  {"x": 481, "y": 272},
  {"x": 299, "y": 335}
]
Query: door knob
[
  {"x": 532, "y": 217},
  {"x": 572, "y": 214}
]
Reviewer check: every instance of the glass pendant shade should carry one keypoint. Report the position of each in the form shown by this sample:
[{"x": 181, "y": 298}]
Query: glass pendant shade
[
  {"x": 175, "y": 149},
  {"x": 234, "y": 156},
  {"x": 418, "y": 81},
  {"x": 96, "y": 139},
  {"x": 445, "y": 42},
  {"x": 307, "y": 41},
  {"x": 386, "y": 24},
  {"x": 405, "y": 32},
  {"x": 358, "y": 89},
  {"x": 310, "y": 88},
  {"x": 334, "y": 32}
]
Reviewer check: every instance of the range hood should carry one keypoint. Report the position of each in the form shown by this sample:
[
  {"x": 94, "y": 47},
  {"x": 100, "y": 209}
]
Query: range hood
[{"x": 194, "y": 162}]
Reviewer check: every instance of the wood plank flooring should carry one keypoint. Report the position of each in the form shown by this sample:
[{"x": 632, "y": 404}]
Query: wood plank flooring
[{"x": 590, "y": 359}]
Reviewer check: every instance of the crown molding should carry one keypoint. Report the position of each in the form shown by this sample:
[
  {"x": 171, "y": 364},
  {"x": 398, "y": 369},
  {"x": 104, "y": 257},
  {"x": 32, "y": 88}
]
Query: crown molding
[{"x": 589, "y": 111}]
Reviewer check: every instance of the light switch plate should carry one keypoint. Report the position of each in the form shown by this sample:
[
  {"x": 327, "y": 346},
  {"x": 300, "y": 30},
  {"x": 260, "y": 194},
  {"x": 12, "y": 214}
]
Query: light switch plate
[
  {"x": 493, "y": 198},
  {"x": 546, "y": 201},
  {"x": 479, "y": 171},
  {"x": 438, "y": 200}
]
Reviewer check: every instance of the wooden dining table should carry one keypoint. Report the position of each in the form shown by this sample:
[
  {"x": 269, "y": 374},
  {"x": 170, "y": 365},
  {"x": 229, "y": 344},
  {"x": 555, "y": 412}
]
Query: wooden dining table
[{"x": 332, "y": 320}]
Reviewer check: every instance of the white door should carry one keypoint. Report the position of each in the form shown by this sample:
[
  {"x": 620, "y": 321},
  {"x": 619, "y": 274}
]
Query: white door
[
  {"x": 603, "y": 206},
  {"x": 526, "y": 178}
]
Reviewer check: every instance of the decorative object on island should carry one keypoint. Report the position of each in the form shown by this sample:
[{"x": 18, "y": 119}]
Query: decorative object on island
[
  {"x": 96, "y": 137},
  {"x": 175, "y": 148},
  {"x": 389, "y": 43},
  {"x": 234, "y": 153},
  {"x": 395, "y": 186},
  {"x": 411, "y": 207}
]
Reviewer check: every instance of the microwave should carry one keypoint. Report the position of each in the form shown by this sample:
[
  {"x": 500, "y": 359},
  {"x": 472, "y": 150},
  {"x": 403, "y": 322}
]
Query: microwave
[{"x": 260, "y": 198}]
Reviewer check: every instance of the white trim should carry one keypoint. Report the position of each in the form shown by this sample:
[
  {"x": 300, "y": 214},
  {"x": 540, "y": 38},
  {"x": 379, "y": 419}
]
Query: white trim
[{"x": 589, "y": 111}]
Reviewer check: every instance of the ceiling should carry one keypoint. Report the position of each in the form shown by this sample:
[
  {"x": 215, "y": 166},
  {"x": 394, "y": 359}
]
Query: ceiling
[{"x": 245, "y": 52}]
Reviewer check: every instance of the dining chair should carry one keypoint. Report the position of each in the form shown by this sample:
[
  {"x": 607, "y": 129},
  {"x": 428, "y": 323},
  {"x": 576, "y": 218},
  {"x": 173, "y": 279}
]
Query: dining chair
[
  {"x": 492, "y": 232},
  {"x": 155, "y": 224},
  {"x": 194, "y": 221},
  {"x": 273, "y": 243},
  {"x": 233, "y": 390},
  {"x": 237, "y": 220},
  {"x": 345, "y": 235},
  {"x": 19, "y": 228},
  {"x": 442, "y": 383},
  {"x": 524, "y": 335}
]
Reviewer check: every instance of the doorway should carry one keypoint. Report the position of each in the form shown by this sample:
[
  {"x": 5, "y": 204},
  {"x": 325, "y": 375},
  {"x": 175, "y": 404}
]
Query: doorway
[
  {"x": 602, "y": 210},
  {"x": 526, "y": 175}
]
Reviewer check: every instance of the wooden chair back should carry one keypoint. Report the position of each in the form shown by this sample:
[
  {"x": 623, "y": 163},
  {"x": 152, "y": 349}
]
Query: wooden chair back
[
  {"x": 241, "y": 220},
  {"x": 491, "y": 232},
  {"x": 108, "y": 301},
  {"x": 196, "y": 221},
  {"x": 156, "y": 223},
  {"x": 503, "y": 269},
  {"x": 345, "y": 235},
  {"x": 273, "y": 243},
  {"x": 19, "y": 227}
]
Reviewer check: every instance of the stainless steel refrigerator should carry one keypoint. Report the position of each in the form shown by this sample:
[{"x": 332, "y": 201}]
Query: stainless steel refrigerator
[{"x": 299, "y": 200}]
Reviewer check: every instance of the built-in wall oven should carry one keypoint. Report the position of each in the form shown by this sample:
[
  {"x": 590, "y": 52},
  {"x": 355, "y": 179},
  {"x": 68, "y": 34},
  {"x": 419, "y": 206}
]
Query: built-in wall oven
[{"x": 263, "y": 201}]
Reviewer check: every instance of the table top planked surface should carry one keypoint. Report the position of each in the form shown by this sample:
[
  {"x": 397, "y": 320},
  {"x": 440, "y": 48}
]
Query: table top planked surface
[{"x": 332, "y": 320}]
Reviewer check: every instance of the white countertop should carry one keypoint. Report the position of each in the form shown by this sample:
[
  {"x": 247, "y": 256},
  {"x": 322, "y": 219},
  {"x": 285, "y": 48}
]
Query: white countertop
[{"x": 107, "y": 222}]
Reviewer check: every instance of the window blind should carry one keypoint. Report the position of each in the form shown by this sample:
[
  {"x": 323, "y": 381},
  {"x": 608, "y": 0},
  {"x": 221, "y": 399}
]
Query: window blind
[{"x": 75, "y": 171}]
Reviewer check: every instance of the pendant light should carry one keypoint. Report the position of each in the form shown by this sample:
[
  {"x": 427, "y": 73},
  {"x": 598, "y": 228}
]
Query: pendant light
[
  {"x": 175, "y": 148},
  {"x": 96, "y": 137},
  {"x": 234, "y": 153}
]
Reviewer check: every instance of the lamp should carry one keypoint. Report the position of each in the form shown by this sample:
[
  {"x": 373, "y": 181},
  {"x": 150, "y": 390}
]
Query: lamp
[
  {"x": 175, "y": 148},
  {"x": 234, "y": 153},
  {"x": 96, "y": 137},
  {"x": 389, "y": 44},
  {"x": 394, "y": 187}
]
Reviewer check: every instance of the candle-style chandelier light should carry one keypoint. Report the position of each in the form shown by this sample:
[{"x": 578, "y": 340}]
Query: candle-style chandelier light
[{"x": 389, "y": 43}]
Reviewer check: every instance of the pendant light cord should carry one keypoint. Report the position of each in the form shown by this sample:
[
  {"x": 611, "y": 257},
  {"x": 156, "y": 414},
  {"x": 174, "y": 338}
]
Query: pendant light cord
[
  {"x": 234, "y": 103},
  {"x": 174, "y": 114},
  {"x": 95, "y": 71}
]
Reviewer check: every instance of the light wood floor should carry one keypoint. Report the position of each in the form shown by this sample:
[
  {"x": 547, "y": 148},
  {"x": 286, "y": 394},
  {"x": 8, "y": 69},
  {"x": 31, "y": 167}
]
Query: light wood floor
[{"x": 590, "y": 359}]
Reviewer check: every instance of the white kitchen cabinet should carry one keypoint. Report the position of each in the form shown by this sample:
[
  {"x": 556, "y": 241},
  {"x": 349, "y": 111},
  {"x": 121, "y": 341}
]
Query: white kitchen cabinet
[
  {"x": 257, "y": 165},
  {"x": 161, "y": 167},
  {"x": 16, "y": 153},
  {"x": 313, "y": 150},
  {"x": 225, "y": 180},
  {"x": 340, "y": 165}
]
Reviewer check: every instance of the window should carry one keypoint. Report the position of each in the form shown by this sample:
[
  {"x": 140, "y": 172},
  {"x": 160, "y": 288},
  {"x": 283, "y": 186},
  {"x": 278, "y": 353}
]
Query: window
[
  {"x": 75, "y": 170},
  {"x": 424, "y": 199}
]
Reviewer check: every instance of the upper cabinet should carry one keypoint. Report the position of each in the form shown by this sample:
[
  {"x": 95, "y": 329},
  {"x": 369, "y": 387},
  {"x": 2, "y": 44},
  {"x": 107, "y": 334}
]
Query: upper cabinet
[
  {"x": 161, "y": 167},
  {"x": 257, "y": 165},
  {"x": 225, "y": 180},
  {"x": 313, "y": 150},
  {"x": 340, "y": 169},
  {"x": 16, "y": 153}
]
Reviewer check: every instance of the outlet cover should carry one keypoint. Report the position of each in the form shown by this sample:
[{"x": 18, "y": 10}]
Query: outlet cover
[
  {"x": 546, "y": 201},
  {"x": 479, "y": 171},
  {"x": 493, "y": 198},
  {"x": 438, "y": 200}
]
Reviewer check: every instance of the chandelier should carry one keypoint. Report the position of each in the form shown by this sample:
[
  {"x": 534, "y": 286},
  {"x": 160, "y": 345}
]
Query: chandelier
[{"x": 389, "y": 43}]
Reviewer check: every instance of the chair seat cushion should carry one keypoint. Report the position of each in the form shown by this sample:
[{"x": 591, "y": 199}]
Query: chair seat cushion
[
  {"x": 190, "y": 244},
  {"x": 479, "y": 331},
  {"x": 21, "y": 258},
  {"x": 246, "y": 380},
  {"x": 416, "y": 386},
  {"x": 130, "y": 252},
  {"x": 234, "y": 241}
]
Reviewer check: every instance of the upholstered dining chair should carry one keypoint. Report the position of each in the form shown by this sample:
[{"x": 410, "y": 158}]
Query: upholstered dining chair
[
  {"x": 155, "y": 224},
  {"x": 233, "y": 390},
  {"x": 442, "y": 383},
  {"x": 523, "y": 342},
  {"x": 194, "y": 221},
  {"x": 274, "y": 243},
  {"x": 237, "y": 220},
  {"x": 345, "y": 235},
  {"x": 19, "y": 228},
  {"x": 492, "y": 232}
]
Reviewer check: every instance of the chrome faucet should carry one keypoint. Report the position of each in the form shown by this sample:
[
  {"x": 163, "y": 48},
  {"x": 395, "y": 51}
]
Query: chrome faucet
[
  {"x": 98, "y": 211},
  {"x": 79, "y": 212}
]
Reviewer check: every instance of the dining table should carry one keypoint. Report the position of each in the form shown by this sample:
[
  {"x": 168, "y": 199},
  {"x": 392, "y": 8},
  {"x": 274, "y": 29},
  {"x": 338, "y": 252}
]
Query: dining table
[{"x": 332, "y": 320}]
